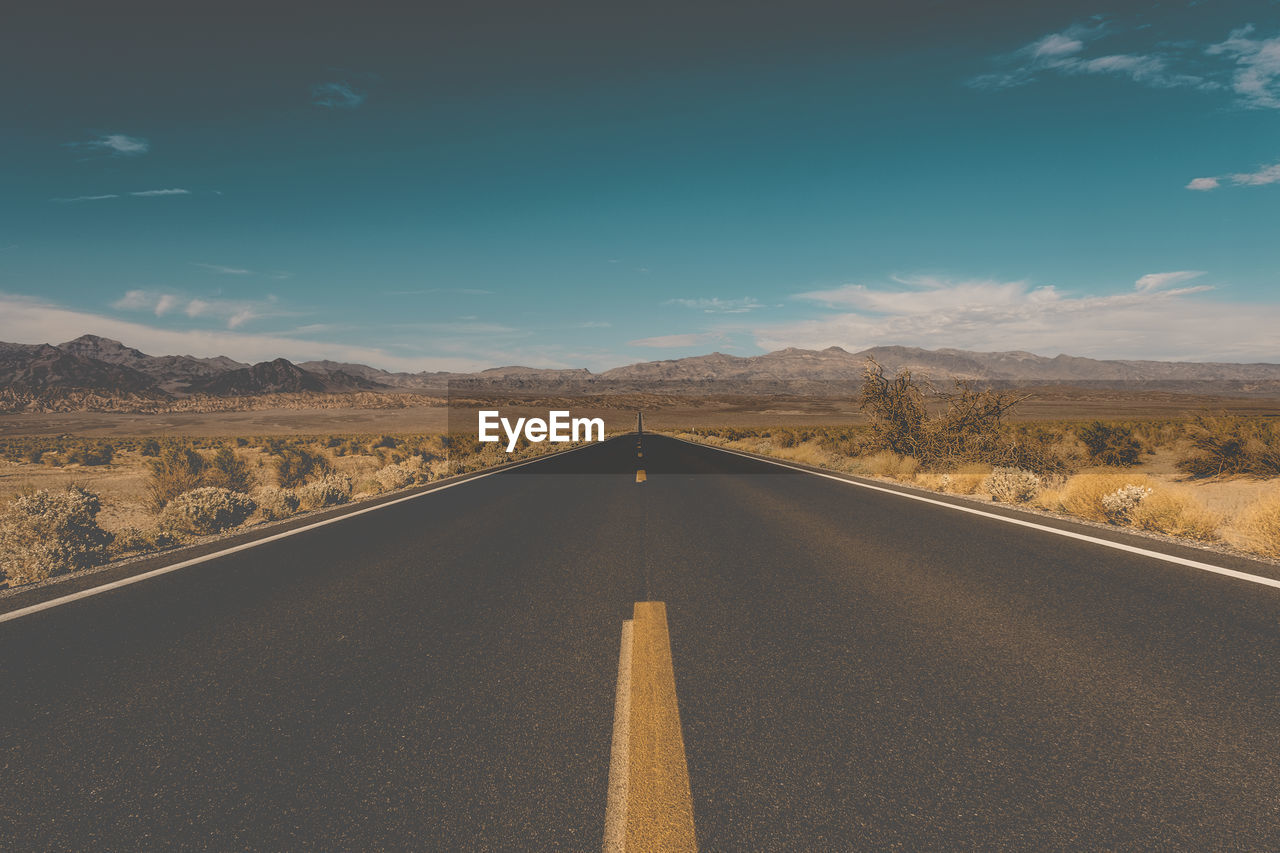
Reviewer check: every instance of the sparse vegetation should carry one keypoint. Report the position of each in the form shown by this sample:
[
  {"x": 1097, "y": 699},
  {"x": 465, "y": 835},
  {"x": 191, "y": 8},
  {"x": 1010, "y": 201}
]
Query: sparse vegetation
[
  {"x": 1012, "y": 485},
  {"x": 329, "y": 490},
  {"x": 1259, "y": 527},
  {"x": 275, "y": 503},
  {"x": 178, "y": 469},
  {"x": 51, "y": 532},
  {"x": 1110, "y": 444},
  {"x": 208, "y": 509}
]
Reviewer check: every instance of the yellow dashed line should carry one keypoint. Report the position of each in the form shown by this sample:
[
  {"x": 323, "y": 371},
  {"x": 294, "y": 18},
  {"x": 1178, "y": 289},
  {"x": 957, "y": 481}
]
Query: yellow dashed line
[{"x": 640, "y": 475}]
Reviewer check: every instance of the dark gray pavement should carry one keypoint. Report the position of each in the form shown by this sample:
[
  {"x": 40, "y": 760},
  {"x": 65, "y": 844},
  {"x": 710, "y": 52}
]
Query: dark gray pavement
[{"x": 855, "y": 671}]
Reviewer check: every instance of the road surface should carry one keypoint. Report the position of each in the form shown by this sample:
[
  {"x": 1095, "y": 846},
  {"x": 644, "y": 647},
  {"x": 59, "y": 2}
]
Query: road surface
[{"x": 855, "y": 671}]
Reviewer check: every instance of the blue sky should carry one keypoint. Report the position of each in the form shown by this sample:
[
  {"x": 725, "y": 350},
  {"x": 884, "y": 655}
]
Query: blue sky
[{"x": 590, "y": 187}]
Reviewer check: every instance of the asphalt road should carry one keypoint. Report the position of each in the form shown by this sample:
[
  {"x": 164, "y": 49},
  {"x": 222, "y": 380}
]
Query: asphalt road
[{"x": 855, "y": 671}]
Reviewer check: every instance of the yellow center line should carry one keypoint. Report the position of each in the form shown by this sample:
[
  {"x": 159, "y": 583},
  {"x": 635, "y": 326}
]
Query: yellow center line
[
  {"x": 650, "y": 803},
  {"x": 640, "y": 475}
]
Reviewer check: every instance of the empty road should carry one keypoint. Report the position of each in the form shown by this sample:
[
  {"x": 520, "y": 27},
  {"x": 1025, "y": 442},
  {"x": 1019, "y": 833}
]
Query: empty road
[{"x": 855, "y": 670}]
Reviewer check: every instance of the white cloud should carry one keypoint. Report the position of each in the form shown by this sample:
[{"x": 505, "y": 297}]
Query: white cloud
[
  {"x": 225, "y": 270},
  {"x": 339, "y": 95},
  {"x": 29, "y": 320},
  {"x": 115, "y": 144},
  {"x": 674, "y": 341},
  {"x": 1164, "y": 316},
  {"x": 234, "y": 313},
  {"x": 151, "y": 193},
  {"x": 595, "y": 324},
  {"x": 1261, "y": 177},
  {"x": 1063, "y": 54},
  {"x": 716, "y": 305},
  {"x": 1256, "y": 80},
  {"x": 86, "y": 198}
]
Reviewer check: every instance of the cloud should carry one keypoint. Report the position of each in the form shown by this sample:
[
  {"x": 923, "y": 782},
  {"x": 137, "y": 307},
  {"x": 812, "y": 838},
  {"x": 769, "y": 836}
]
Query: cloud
[
  {"x": 336, "y": 95},
  {"x": 673, "y": 341},
  {"x": 115, "y": 144},
  {"x": 1261, "y": 177},
  {"x": 30, "y": 320},
  {"x": 1063, "y": 54},
  {"x": 465, "y": 291},
  {"x": 138, "y": 193},
  {"x": 718, "y": 306},
  {"x": 218, "y": 268},
  {"x": 85, "y": 198},
  {"x": 595, "y": 324},
  {"x": 235, "y": 313},
  {"x": 152, "y": 193},
  {"x": 1163, "y": 316},
  {"x": 1256, "y": 79}
]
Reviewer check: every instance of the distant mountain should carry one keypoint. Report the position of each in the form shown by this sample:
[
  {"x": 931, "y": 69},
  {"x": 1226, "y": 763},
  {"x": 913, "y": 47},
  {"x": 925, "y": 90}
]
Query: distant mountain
[
  {"x": 100, "y": 366},
  {"x": 41, "y": 367}
]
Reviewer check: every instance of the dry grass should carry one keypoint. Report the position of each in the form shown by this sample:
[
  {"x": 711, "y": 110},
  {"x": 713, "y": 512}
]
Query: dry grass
[
  {"x": 890, "y": 465},
  {"x": 1174, "y": 512},
  {"x": 1258, "y": 528},
  {"x": 1082, "y": 495}
]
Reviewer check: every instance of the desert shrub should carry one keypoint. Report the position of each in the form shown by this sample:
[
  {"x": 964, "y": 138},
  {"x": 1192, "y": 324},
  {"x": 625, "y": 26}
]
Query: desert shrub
[
  {"x": 1012, "y": 485},
  {"x": 969, "y": 429},
  {"x": 1222, "y": 445},
  {"x": 133, "y": 540},
  {"x": 385, "y": 441},
  {"x": 1082, "y": 494},
  {"x": 227, "y": 470},
  {"x": 208, "y": 509},
  {"x": 1175, "y": 514},
  {"x": 274, "y": 503},
  {"x": 50, "y": 532},
  {"x": 399, "y": 476},
  {"x": 330, "y": 490},
  {"x": 150, "y": 447},
  {"x": 1110, "y": 444},
  {"x": 91, "y": 454},
  {"x": 296, "y": 465},
  {"x": 1120, "y": 505},
  {"x": 178, "y": 469},
  {"x": 1259, "y": 526}
]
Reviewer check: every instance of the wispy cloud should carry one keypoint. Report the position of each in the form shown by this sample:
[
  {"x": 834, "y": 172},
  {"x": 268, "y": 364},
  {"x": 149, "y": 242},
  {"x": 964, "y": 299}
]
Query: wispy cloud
[
  {"x": 31, "y": 320},
  {"x": 676, "y": 341},
  {"x": 152, "y": 193},
  {"x": 1066, "y": 53},
  {"x": 218, "y": 268},
  {"x": 429, "y": 291},
  {"x": 715, "y": 305},
  {"x": 137, "y": 193},
  {"x": 114, "y": 144},
  {"x": 235, "y": 313},
  {"x": 1256, "y": 80},
  {"x": 339, "y": 95},
  {"x": 1163, "y": 315},
  {"x": 1258, "y": 178},
  {"x": 595, "y": 324},
  {"x": 85, "y": 198}
]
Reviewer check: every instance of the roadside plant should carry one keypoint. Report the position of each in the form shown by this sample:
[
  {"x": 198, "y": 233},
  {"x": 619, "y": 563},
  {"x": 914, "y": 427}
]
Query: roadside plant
[
  {"x": 1012, "y": 485},
  {"x": 275, "y": 503},
  {"x": 296, "y": 465},
  {"x": 330, "y": 490},
  {"x": 51, "y": 532},
  {"x": 205, "y": 510},
  {"x": 1121, "y": 504}
]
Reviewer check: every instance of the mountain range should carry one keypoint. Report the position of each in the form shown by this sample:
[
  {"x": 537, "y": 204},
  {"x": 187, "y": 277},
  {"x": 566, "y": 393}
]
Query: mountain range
[{"x": 107, "y": 367}]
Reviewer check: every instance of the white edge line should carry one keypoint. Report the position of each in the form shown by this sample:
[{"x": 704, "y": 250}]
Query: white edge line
[
  {"x": 1106, "y": 543},
  {"x": 163, "y": 570},
  {"x": 615, "y": 813}
]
